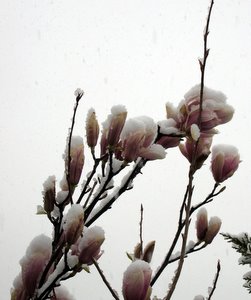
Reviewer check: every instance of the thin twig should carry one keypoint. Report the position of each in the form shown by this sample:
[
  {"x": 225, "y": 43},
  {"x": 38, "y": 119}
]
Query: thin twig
[
  {"x": 141, "y": 229},
  {"x": 90, "y": 194},
  {"x": 215, "y": 280},
  {"x": 185, "y": 236},
  {"x": 181, "y": 225},
  {"x": 203, "y": 63},
  {"x": 208, "y": 199},
  {"x": 175, "y": 240},
  {"x": 78, "y": 97},
  {"x": 136, "y": 170},
  {"x": 89, "y": 178},
  {"x": 190, "y": 251},
  {"x": 101, "y": 273}
]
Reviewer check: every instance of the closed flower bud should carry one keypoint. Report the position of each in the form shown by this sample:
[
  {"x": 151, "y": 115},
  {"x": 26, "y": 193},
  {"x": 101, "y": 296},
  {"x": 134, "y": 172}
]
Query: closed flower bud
[
  {"x": 92, "y": 129},
  {"x": 206, "y": 231},
  {"x": 116, "y": 124},
  {"x": 225, "y": 161},
  {"x": 213, "y": 228},
  {"x": 201, "y": 224},
  {"x": 132, "y": 136},
  {"x": 34, "y": 262},
  {"x": 49, "y": 194},
  {"x": 77, "y": 160},
  {"x": 89, "y": 245},
  {"x": 136, "y": 281},
  {"x": 73, "y": 224},
  {"x": 103, "y": 142},
  {"x": 18, "y": 292}
]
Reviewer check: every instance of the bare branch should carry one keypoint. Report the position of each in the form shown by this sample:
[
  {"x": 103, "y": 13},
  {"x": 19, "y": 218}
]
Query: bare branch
[
  {"x": 141, "y": 229},
  {"x": 101, "y": 273},
  {"x": 192, "y": 170},
  {"x": 215, "y": 280}
]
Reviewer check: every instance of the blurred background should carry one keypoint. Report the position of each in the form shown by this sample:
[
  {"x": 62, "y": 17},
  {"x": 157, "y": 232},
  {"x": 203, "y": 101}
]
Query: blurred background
[{"x": 140, "y": 54}]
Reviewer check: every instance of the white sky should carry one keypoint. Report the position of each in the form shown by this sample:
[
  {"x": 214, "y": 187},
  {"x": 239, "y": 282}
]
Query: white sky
[{"x": 140, "y": 54}]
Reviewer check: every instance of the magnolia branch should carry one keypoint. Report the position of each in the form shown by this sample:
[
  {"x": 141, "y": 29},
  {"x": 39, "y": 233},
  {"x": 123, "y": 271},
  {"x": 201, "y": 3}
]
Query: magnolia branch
[
  {"x": 101, "y": 273},
  {"x": 215, "y": 280},
  {"x": 192, "y": 166}
]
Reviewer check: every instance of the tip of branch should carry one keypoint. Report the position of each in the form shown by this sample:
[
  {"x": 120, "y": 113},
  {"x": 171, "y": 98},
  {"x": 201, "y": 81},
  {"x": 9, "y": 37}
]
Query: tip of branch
[{"x": 218, "y": 266}]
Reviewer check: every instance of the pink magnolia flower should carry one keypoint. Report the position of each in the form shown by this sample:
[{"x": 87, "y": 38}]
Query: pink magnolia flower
[
  {"x": 34, "y": 262},
  {"x": 167, "y": 131},
  {"x": 153, "y": 152},
  {"x": 137, "y": 138},
  {"x": 225, "y": 161},
  {"x": 132, "y": 141},
  {"x": 112, "y": 128},
  {"x": 88, "y": 246},
  {"x": 116, "y": 124},
  {"x": 73, "y": 223},
  {"x": 136, "y": 281},
  {"x": 168, "y": 141},
  {"x": 18, "y": 292},
  {"x": 215, "y": 110},
  {"x": 188, "y": 149}
]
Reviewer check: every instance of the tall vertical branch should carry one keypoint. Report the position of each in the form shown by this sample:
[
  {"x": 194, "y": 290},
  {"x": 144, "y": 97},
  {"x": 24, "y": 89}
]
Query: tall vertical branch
[
  {"x": 79, "y": 94},
  {"x": 192, "y": 169},
  {"x": 204, "y": 61}
]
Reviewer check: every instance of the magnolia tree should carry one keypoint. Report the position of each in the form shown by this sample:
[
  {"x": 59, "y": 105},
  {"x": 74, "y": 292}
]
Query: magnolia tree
[{"x": 120, "y": 149}]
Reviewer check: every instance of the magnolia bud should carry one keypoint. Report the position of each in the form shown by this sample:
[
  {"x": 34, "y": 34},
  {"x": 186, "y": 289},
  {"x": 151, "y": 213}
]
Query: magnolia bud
[
  {"x": 132, "y": 137},
  {"x": 201, "y": 224},
  {"x": 225, "y": 161},
  {"x": 117, "y": 121},
  {"x": 33, "y": 263},
  {"x": 77, "y": 160},
  {"x": 89, "y": 245},
  {"x": 136, "y": 281},
  {"x": 49, "y": 194},
  {"x": 18, "y": 292},
  {"x": 92, "y": 129},
  {"x": 213, "y": 228},
  {"x": 73, "y": 223}
]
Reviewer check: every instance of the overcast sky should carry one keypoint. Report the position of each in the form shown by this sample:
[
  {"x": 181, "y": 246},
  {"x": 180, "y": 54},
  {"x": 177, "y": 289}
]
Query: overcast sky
[{"x": 140, "y": 54}]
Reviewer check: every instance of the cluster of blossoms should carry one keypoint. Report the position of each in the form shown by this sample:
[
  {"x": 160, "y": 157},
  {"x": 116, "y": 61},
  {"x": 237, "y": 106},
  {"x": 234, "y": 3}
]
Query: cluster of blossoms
[{"x": 123, "y": 142}]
